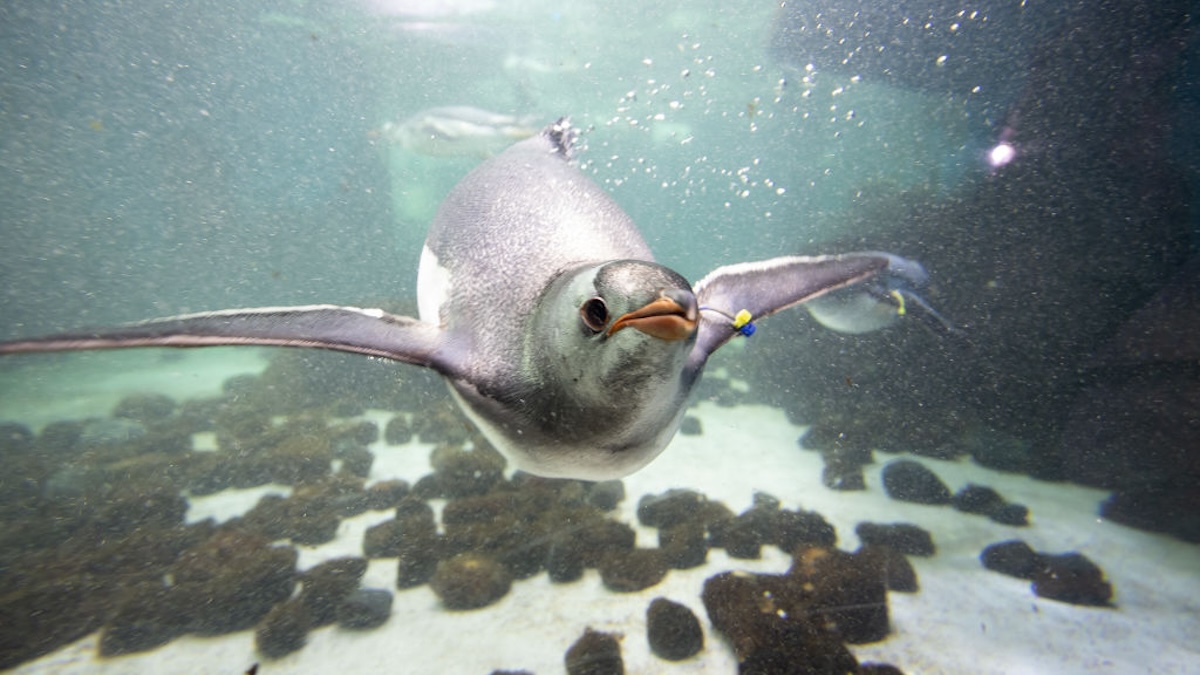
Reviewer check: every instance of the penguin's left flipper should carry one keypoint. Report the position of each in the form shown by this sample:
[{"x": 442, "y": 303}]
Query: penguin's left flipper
[
  {"x": 349, "y": 329},
  {"x": 731, "y": 296}
]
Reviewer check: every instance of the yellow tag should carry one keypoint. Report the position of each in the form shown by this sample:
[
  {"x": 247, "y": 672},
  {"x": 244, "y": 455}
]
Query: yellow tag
[
  {"x": 900, "y": 309},
  {"x": 743, "y": 317}
]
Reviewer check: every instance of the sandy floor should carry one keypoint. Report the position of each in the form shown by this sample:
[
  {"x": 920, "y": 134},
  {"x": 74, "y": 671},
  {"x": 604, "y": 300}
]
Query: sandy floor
[{"x": 965, "y": 619}]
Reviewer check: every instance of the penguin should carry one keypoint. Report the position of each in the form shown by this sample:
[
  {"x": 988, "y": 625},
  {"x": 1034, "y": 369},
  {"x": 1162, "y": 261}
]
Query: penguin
[
  {"x": 541, "y": 305},
  {"x": 880, "y": 302}
]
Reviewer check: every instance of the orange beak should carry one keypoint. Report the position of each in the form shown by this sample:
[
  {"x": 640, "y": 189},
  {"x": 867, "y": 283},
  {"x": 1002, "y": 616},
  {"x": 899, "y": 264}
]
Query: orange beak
[{"x": 665, "y": 318}]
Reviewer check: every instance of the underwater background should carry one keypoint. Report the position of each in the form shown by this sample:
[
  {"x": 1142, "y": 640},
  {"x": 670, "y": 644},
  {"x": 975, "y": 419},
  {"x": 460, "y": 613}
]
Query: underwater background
[{"x": 163, "y": 158}]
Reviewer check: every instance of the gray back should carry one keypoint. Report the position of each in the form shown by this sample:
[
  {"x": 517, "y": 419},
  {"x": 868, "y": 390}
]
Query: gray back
[{"x": 507, "y": 229}]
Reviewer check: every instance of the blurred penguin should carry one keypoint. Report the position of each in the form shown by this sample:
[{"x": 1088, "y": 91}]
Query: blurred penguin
[{"x": 881, "y": 302}]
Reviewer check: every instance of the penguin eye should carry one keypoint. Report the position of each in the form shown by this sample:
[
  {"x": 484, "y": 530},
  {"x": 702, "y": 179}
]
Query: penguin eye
[{"x": 594, "y": 314}]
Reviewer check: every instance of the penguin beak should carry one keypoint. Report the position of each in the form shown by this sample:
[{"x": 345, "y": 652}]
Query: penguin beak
[{"x": 672, "y": 316}]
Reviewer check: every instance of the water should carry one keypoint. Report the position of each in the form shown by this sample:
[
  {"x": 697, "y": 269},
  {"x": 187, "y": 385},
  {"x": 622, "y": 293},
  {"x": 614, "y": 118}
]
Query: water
[{"x": 176, "y": 158}]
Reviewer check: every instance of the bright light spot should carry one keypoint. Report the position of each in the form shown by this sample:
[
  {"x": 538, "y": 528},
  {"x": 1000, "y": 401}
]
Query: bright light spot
[{"x": 1001, "y": 154}]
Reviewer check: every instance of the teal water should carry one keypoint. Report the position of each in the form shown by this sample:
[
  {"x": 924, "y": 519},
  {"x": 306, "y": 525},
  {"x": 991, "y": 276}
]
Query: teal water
[
  {"x": 159, "y": 160},
  {"x": 162, "y": 158}
]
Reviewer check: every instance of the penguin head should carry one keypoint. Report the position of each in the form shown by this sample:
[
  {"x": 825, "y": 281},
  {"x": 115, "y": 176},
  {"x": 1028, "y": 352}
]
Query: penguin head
[{"x": 620, "y": 332}]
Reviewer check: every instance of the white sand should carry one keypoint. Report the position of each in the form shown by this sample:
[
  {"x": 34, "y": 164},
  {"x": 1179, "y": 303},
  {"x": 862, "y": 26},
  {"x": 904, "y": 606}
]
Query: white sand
[{"x": 965, "y": 619}]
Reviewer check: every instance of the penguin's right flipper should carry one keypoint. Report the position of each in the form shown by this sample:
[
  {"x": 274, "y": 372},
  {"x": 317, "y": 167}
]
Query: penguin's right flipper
[
  {"x": 734, "y": 295},
  {"x": 348, "y": 329}
]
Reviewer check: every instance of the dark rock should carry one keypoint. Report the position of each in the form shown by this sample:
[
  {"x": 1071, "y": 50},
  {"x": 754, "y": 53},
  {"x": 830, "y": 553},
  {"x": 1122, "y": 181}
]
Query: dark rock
[
  {"x": 512, "y": 537},
  {"x": 690, "y": 426},
  {"x": 417, "y": 559},
  {"x": 244, "y": 429},
  {"x": 40, "y": 618},
  {"x": 313, "y": 528},
  {"x": 364, "y": 609},
  {"x": 765, "y": 501},
  {"x": 149, "y": 614},
  {"x": 327, "y": 584},
  {"x": 59, "y": 438},
  {"x": 145, "y": 408},
  {"x": 382, "y": 540},
  {"x": 684, "y": 546},
  {"x": 977, "y": 499},
  {"x": 1071, "y": 578},
  {"x": 600, "y": 537},
  {"x": 411, "y": 507},
  {"x": 232, "y": 579},
  {"x": 132, "y": 506},
  {"x": 442, "y": 423},
  {"x": 670, "y": 508},
  {"x": 283, "y": 630},
  {"x": 849, "y": 591},
  {"x": 564, "y": 559},
  {"x": 200, "y": 414},
  {"x": 386, "y": 494},
  {"x": 909, "y": 481},
  {"x": 269, "y": 517},
  {"x": 111, "y": 433},
  {"x": 712, "y": 514},
  {"x": 904, "y": 538},
  {"x": 1013, "y": 558},
  {"x": 793, "y": 528},
  {"x": 362, "y": 432},
  {"x": 470, "y": 581},
  {"x": 300, "y": 458},
  {"x": 524, "y": 549},
  {"x": 595, "y": 653},
  {"x": 387, "y": 539},
  {"x": 1011, "y": 514},
  {"x": 841, "y": 474},
  {"x": 504, "y": 525},
  {"x": 357, "y": 461},
  {"x": 673, "y": 630},
  {"x": 901, "y": 577},
  {"x": 741, "y": 537},
  {"x": 481, "y": 508},
  {"x": 341, "y": 495},
  {"x": 605, "y": 495},
  {"x": 462, "y": 473},
  {"x": 802, "y": 649},
  {"x": 770, "y": 626},
  {"x": 398, "y": 431},
  {"x": 761, "y": 518},
  {"x": 210, "y": 472},
  {"x": 633, "y": 570}
]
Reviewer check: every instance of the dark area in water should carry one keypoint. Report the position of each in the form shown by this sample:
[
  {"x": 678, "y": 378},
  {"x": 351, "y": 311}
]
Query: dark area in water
[
  {"x": 221, "y": 162},
  {"x": 1072, "y": 274}
]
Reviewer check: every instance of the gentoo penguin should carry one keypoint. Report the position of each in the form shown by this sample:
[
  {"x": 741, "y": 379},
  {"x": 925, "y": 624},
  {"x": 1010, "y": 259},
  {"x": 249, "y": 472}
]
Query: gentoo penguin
[
  {"x": 541, "y": 305},
  {"x": 458, "y": 131},
  {"x": 880, "y": 302}
]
